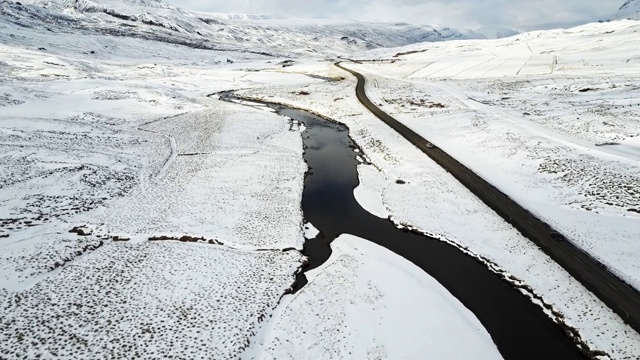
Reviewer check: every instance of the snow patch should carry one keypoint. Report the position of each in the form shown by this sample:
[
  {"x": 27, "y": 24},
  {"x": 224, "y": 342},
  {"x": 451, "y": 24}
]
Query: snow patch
[
  {"x": 369, "y": 191},
  {"x": 359, "y": 309}
]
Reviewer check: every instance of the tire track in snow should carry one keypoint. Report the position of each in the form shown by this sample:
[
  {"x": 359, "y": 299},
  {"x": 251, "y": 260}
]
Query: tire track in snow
[{"x": 171, "y": 159}]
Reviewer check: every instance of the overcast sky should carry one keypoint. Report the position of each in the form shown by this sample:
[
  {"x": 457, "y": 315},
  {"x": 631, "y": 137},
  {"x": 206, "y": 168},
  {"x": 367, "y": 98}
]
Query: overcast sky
[{"x": 518, "y": 14}]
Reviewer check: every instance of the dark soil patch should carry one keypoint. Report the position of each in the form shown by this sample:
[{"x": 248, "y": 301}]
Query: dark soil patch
[{"x": 186, "y": 238}]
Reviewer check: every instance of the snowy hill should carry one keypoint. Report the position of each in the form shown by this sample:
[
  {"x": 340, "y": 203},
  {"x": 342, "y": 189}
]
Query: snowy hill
[
  {"x": 239, "y": 16},
  {"x": 629, "y": 10},
  {"x": 155, "y": 20},
  {"x": 496, "y": 32}
]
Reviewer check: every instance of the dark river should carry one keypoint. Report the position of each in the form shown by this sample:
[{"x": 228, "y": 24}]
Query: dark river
[{"x": 519, "y": 328}]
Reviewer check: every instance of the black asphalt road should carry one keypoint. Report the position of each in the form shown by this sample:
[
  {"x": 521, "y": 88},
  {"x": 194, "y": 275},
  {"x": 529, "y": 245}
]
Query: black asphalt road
[{"x": 614, "y": 292}]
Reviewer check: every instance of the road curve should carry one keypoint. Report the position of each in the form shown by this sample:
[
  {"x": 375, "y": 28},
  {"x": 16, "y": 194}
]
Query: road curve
[{"x": 614, "y": 292}]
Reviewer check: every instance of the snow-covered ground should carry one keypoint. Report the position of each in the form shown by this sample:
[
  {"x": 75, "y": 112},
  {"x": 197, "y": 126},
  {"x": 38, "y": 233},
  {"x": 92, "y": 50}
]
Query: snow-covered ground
[
  {"x": 148, "y": 300},
  {"x": 562, "y": 139},
  {"x": 359, "y": 285},
  {"x": 117, "y": 134},
  {"x": 430, "y": 199},
  {"x": 119, "y": 137},
  {"x": 130, "y": 147}
]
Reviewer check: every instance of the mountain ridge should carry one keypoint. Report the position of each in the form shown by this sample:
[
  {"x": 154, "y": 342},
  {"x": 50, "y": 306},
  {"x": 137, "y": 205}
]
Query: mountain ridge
[
  {"x": 156, "y": 20},
  {"x": 629, "y": 10}
]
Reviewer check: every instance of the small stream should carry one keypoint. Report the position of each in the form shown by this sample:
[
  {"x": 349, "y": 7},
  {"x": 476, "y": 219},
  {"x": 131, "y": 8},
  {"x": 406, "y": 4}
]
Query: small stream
[{"x": 519, "y": 328}]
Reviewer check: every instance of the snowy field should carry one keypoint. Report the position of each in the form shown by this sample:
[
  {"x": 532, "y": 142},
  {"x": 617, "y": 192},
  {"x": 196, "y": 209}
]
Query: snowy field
[
  {"x": 181, "y": 205},
  {"x": 431, "y": 200},
  {"x": 148, "y": 300},
  {"x": 562, "y": 139},
  {"x": 358, "y": 285},
  {"x": 130, "y": 148}
]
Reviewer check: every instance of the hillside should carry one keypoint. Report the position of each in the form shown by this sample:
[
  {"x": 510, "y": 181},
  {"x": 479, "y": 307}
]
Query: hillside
[
  {"x": 155, "y": 20},
  {"x": 629, "y": 10}
]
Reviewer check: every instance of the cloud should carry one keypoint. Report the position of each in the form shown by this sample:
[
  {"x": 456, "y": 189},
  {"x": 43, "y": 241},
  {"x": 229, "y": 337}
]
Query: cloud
[{"x": 518, "y": 14}]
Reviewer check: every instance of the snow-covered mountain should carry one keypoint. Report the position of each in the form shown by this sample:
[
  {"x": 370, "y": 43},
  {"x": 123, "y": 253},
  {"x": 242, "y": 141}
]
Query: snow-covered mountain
[
  {"x": 629, "y": 10},
  {"x": 240, "y": 16},
  {"x": 155, "y": 20},
  {"x": 496, "y": 32}
]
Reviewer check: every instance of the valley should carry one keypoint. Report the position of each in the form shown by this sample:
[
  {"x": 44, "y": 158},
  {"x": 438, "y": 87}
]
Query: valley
[{"x": 143, "y": 215}]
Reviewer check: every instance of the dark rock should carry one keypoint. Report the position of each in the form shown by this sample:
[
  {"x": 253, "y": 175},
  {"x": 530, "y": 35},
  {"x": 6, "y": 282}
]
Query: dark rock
[
  {"x": 161, "y": 238},
  {"x": 191, "y": 239},
  {"x": 81, "y": 230}
]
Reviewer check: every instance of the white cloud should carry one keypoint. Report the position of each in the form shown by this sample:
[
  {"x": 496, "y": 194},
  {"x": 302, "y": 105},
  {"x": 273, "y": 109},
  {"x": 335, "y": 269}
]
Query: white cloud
[{"x": 519, "y": 14}]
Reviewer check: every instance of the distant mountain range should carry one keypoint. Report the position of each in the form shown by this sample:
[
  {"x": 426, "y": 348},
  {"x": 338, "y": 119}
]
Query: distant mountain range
[
  {"x": 496, "y": 32},
  {"x": 156, "y": 20}
]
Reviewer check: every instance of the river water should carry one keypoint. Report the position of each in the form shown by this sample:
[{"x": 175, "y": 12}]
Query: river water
[{"x": 519, "y": 328}]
